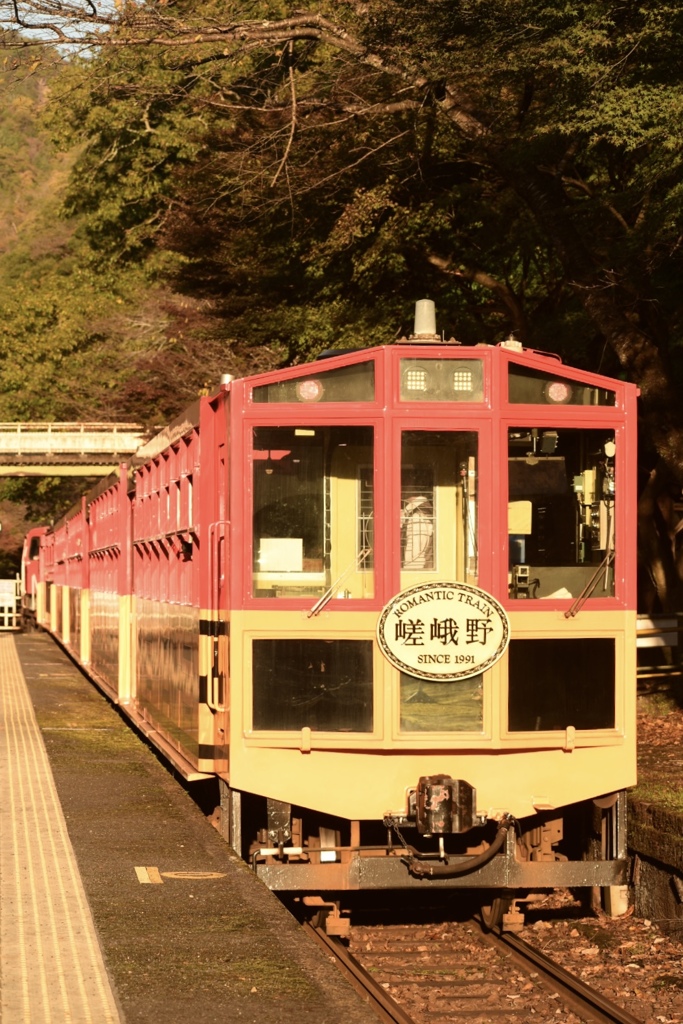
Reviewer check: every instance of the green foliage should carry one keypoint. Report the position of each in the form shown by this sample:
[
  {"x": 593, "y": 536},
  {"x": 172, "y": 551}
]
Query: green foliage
[
  {"x": 88, "y": 332},
  {"x": 229, "y": 201},
  {"x": 239, "y": 202},
  {"x": 40, "y": 499},
  {"x": 296, "y": 224}
]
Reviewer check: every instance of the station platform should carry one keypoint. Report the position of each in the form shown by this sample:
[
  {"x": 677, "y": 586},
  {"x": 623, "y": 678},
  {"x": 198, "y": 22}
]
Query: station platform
[{"x": 119, "y": 902}]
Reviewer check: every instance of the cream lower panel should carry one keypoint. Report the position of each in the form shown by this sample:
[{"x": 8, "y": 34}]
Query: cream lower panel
[
  {"x": 167, "y": 684},
  {"x": 551, "y": 623},
  {"x": 42, "y": 610},
  {"x": 364, "y": 786},
  {"x": 104, "y": 635},
  {"x": 483, "y": 725}
]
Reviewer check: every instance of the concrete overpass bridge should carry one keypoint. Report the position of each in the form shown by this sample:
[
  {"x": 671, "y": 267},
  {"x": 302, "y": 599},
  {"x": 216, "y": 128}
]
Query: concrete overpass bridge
[{"x": 67, "y": 449}]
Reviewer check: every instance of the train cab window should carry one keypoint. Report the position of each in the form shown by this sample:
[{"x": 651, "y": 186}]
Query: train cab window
[
  {"x": 561, "y": 498},
  {"x": 323, "y": 685},
  {"x": 534, "y": 387},
  {"x": 354, "y": 383},
  {"x": 557, "y": 683},
  {"x": 442, "y": 380},
  {"x": 309, "y": 484},
  {"x": 449, "y": 706},
  {"x": 34, "y": 549},
  {"x": 438, "y": 512}
]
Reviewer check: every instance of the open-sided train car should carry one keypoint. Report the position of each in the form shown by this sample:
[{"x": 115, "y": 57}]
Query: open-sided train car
[{"x": 388, "y": 600}]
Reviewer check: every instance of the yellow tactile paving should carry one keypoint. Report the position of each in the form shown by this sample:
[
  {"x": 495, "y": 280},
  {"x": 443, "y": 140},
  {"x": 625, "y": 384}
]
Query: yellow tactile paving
[{"x": 51, "y": 966}]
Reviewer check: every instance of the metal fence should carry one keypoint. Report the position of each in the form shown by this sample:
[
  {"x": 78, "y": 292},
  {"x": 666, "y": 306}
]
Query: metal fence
[
  {"x": 660, "y": 647},
  {"x": 10, "y": 604}
]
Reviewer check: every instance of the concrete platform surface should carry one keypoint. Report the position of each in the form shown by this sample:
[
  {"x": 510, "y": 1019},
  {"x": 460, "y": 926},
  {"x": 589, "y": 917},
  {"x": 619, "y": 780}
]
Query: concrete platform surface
[{"x": 188, "y": 935}]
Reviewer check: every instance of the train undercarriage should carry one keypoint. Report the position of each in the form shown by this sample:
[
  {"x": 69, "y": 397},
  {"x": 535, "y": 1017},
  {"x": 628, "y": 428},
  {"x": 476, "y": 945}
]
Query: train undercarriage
[{"x": 294, "y": 851}]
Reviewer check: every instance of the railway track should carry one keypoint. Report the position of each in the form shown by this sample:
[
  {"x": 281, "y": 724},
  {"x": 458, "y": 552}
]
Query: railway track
[{"x": 443, "y": 974}]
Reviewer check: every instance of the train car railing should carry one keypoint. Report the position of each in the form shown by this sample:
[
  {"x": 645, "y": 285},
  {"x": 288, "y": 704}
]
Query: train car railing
[{"x": 660, "y": 646}]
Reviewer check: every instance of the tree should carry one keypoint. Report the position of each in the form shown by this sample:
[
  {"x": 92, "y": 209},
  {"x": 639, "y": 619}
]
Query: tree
[{"x": 303, "y": 172}]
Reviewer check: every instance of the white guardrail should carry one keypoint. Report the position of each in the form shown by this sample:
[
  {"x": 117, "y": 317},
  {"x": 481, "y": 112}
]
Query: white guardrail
[
  {"x": 70, "y": 438},
  {"x": 10, "y": 604}
]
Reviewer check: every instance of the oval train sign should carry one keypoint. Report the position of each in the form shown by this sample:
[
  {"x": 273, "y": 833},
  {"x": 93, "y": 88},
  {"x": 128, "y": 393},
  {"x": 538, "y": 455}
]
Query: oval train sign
[{"x": 443, "y": 631}]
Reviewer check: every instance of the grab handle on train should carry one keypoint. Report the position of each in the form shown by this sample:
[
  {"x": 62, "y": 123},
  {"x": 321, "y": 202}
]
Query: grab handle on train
[{"x": 213, "y": 695}]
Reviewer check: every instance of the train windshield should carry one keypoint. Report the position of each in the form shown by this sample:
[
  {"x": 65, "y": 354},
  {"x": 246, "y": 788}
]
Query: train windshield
[
  {"x": 438, "y": 512},
  {"x": 561, "y": 498},
  {"x": 310, "y": 484}
]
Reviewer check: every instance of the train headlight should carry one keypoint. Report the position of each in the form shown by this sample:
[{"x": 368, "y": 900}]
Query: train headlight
[
  {"x": 463, "y": 380},
  {"x": 415, "y": 379}
]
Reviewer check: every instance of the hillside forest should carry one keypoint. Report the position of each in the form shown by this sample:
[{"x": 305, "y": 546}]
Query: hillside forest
[{"x": 191, "y": 189}]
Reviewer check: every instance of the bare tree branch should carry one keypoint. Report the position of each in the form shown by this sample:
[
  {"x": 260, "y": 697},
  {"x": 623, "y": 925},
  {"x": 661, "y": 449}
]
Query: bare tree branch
[
  {"x": 587, "y": 190},
  {"x": 136, "y": 28},
  {"x": 290, "y": 140},
  {"x": 480, "y": 277}
]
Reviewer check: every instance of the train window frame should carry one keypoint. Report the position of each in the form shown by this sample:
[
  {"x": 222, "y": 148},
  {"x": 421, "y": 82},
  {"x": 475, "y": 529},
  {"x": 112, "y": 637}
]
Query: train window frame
[
  {"x": 435, "y": 739},
  {"x": 292, "y": 418},
  {"x": 420, "y": 362},
  {"x": 581, "y": 548},
  {"x": 564, "y": 738},
  {"x": 306, "y": 739},
  {"x": 314, "y": 374},
  {"x": 557, "y": 385},
  {"x": 476, "y": 426},
  {"x": 570, "y": 418}
]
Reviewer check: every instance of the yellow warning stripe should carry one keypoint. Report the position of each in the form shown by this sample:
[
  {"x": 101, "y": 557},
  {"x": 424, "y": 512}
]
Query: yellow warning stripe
[
  {"x": 50, "y": 960},
  {"x": 147, "y": 875}
]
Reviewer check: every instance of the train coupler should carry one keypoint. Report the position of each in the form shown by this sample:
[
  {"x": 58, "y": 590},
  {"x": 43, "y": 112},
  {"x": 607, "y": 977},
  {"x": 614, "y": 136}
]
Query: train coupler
[{"x": 441, "y": 805}]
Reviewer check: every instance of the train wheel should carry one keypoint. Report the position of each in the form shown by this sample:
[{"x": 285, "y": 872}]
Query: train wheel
[
  {"x": 327, "y": 917},
  {"x": 318, "y": 919},
  {"x": 492, "y": 913}
]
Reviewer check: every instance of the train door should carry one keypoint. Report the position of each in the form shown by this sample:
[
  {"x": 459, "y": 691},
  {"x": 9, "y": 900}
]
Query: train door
[
  {"x": 219, "y": 690},
  {"x": 438, "y": 506},
  {"x": 439, "y": 542}
]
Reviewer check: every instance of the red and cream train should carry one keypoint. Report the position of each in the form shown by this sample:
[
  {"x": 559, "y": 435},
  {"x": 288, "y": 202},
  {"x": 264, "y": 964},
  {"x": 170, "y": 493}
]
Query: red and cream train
[{"x": 387, "y": 599}]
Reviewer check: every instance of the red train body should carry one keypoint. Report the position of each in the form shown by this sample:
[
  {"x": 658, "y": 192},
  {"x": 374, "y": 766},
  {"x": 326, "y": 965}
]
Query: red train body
[{"x": 388, "y": 600}]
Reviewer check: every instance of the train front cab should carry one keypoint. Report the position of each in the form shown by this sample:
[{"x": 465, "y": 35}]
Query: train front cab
[{"x": 387, "y": 471}]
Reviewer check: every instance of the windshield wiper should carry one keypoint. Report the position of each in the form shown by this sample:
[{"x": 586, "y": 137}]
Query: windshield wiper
[
  {"x": 327, "y": 596},
  {"x": 590, "y": 586}
]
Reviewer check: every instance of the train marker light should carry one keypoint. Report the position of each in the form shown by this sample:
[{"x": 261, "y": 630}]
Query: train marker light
[
  {"x": 309, "y": 390},
  {"x": 558, "y": 392}
]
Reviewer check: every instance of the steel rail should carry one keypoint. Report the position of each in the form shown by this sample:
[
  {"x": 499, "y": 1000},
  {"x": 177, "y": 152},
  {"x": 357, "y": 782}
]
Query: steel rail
[
  {"x": 384, "y": 1006},
  {"x": 589, "y": 1004},
  {"x": 579, "y": 996}
]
